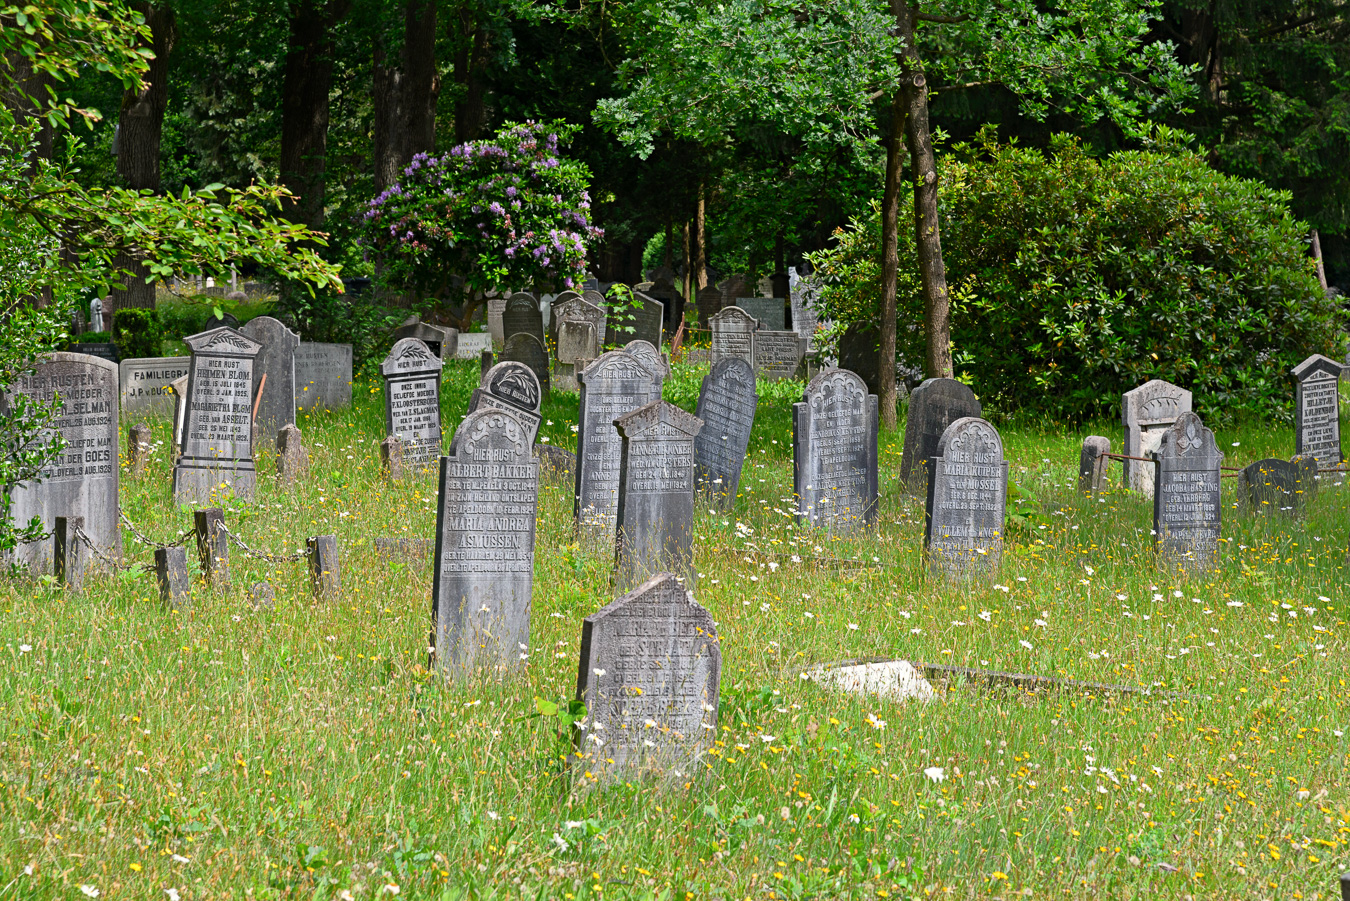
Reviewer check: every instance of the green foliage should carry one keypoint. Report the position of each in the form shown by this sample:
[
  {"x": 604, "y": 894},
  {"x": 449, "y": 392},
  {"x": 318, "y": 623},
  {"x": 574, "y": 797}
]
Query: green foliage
[
  {"x": 136, "y": 333},
  {"x": 1075, "y": 279}
]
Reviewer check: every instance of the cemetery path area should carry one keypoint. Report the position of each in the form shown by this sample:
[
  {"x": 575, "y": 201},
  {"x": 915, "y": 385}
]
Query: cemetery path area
[{"x": 304, "y": 750}]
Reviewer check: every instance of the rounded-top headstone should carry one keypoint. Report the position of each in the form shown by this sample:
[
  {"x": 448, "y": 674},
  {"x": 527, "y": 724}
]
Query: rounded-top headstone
[
  {"x": 834, "y": 454},
  {"x": 276, "y": 361},
  {"x": 967, "y": 499},
  {"x": 933, "y": 406},
  {"x": 409, "y": 355},
  {"x": 515, "y": 383},
  {"x": 522, "y": 315}
]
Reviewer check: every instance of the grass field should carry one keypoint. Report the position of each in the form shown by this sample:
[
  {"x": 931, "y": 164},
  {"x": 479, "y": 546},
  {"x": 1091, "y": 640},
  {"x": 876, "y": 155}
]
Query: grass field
[{"x": 306, "y": 752}]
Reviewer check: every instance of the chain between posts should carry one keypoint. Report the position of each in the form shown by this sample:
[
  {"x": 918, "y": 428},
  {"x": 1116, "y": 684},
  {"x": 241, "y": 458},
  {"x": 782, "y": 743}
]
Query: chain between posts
[
  {"x": 143, "y": 539},
  {"x": 110, "y": 562},
  {"x": 262, "y": 555}
]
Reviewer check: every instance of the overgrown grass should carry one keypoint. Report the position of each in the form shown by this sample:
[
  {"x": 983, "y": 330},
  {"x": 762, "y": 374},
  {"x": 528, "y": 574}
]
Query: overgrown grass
[{"x": 307, "y": 752}]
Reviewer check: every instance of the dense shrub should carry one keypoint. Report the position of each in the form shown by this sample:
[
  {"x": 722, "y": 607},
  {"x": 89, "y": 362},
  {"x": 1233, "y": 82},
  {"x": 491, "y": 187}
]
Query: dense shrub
[
  {"x": 1075, "y": 279},
  {"x": 137, "y": 333}
]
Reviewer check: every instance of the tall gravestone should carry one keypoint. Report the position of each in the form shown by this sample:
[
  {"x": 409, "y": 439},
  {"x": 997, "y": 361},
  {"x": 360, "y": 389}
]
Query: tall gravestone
[
  {"x": 144, "y": 383},
  {"x": 1147, "y": 412},
  {"x": 484, "y": 576},
  {"x": 726, "y": 404},
  {"x": 777, "y": 354},
  {"x": 933, "y": 406},
  {"x": 640, "y": 321},
  {"x": 649, "y": 675},
  {"x": 323, "y": 376},
  {"x": 526, "y": 349},
  {"x": 733, "y": 335},
  {"x": 1279, "y": 486},
  {"x": 653, "y": 359},
  {"x": 441, "y": 341},
  {"x": 1186, "y": 505},
  {"x": 217, "y": 445},
  {"x": 495, "y": 307},
  {"x": 709, "y": 302},
  {"x": 578, "y": 343},
  {"x": 1317, "y": 423},
  {"x": 613, "y": 385},
  {"x": 768, "y": 311},
  {"x": 655, "y": 520},
  {"x": 803, "y": 298},
  {"x": 834, "y": 453},
  {"x": 83, "y": 481},
  {"x": 521, "y": 316},
  {"x": 967, "y": 498},
  {"x": 513, "y": 387},
  {"x": 412, "y": 400},
  {"x": 276, "y": 361}
]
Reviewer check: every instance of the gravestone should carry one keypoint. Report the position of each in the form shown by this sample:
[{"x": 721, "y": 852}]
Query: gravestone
[
  {"x": 513, "y": 387},
  {"x": 276, "y": 361},
  {"x": 1186, "y": 506},
  {"x": 495, "y": 307},
  {"x": 1092, "y": 463},
  {"x": 834, "y": 453},
  {"x": 484, "y": 577},
  {"x": 528, "y": 350},
  {"x": 653, "y": 359},
  {"x": 577, "y": 344},
  {"x": 412, "y": 401},
  {"x": 391, "y": 458},
  {"x": 470, "y": 345},
  {"x": 325, "y": 566},
  {"x": 655, "y": 520},
  {"x": 323, "y": 376},
  {"x": 104, "y": 350},
  {"x": 558, "y": 464},
  {"x": 574, "y": 307},
  {"x": 803, "y": 298},
  {"x": 672, "y": 301},
  {"x": 521, "y": 315},
  {"x": 768, "y": 311},
  {"x": 143, "y": 383},
  {"x": 1317, "y": 424},
  {"x": 933, "y": 406},
  {"x": 642, "y": 321},
  {"x": 551, "y": 309},
  {"x": 83, "y": 480},
  {"x": 1285, "y": 486},
  {"x": 967, "y": 498},
  {"x": 441, "y": 341},
  {"x": 778, "y": 354},
  {"x": 1147, "y": 412},
  {"x": 649, "y": 676},
  {"x": 217, "y": 448},
  {"x": 613, "y": 385},
  {"x": 178, "y": 388},
  {"x": 732, "y": 331},
  {"x": 709, "y": 302},
  {"x": 726, "y": 404},
  {"x": 96, "y": 315}
]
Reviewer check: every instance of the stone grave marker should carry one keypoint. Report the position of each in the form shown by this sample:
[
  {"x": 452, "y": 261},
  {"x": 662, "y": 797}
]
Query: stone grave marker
[
  {"x": 572, "y": 306},
  {"x": 967, "y": 498},
  {"x": 649, "y": 676},
  {"x": 768, "y": 311},
  {"x": 709, "y": 302},
  {"x": 550, "y": 308},
  {"x": 522, "y": 316},
  {"x": 613, "y": 385},
  {"x": 292, "y": 456},
  {"x": 217, "y": 448},
  {"x": 496, "y": 306},
  {"x": 652, "y": 358},
  {"x": 441, "y": 341},
  {"x": 834, "y": 451},
  {"x": 412, "y": 401},
  {"x": 484, "y": 576},
  {"x": 276, "y": 361},
  {"x": 732, "y": 331},
  {"x": 143, "y": 383},
  {"x": 726, "y": 404},
  {"x": 323, "y": 376},
  {"x": 933, "y": 406},
  {"x": 470, "y": 345},
  {"x": 778, "y": 355},
  {"x": 1186, "y": 505},
  {"x": 655, "y": 519},
  {"x": 528, "y": 350},
  {"x": 513, "y": 387},
  {"x": 1146, "y": 412},
  {"x": 83, "y": 481},
  {"x": 1092, "y": 463},
  {"x": 802, "y": 300},
  {"x": 1317, "y": 424},
  {"x": 1284, "y": 486},
  {"x": 178, "y": 388},
  {"x": 643, "y": 321},
  {"x": 104, "y": 350},
  {"x": 577, "y": 344}
]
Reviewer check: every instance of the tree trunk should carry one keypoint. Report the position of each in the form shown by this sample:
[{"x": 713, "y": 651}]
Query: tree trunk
[
  {"x": 890, "y": 264},
  {"x": 1316, "y": 240},
  {"x": 469, "y": 62},
  {"x": 700, "y": 246},
  {"x": 304, "y": 107},
  {"x": 404, "y": 96},
  {"x": 24, "y": 93}
]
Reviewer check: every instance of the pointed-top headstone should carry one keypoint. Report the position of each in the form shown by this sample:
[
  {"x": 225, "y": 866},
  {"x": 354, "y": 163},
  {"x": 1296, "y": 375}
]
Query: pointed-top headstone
[
  {"x": 1147, "y": 412},
  {"x": 1317, "y": 423},
  {"x": 933, "y": 406},
  {"x": 217, "y": 450},
  {"x": 412, "y": 400},
  {"x": 1186, "y": 505}
]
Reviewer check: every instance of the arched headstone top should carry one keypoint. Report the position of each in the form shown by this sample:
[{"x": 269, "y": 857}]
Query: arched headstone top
[
  {"x": 971, "y": 436},
  {"x": 514, "y": 382},
  {"x": 409, "y": 355},
  {"x": 485, "y": 434},
  {"x": 614, "y": 364},
  {"x": 1155, "y": 401},
  {"x": 1188, "y": 437},
  {"x": 224, "y": 341}
]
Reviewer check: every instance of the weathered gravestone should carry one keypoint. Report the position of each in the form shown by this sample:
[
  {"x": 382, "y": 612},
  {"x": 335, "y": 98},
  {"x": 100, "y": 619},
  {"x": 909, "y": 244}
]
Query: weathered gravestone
[
  {"x": 1186, "y": 506},
  {"x": 528, "y": 350},
  {"x": 571, "y": 306},
  {"x": 443, "y": 342},
  {"x": 470, "y": 345},
  {"x": 802, "y": 299},
  {"x": 412, "y": 401},
  {"x": 778, "y": 354},
  {"x": 513, "y": 387},
  {"x": 292, "y": 457},
  {"x": 768, "y": 311},
  {"x": 1285, "y": 486},
  {"x": 613, "y": 385},
  {"x": 967, "y": 497},
  {"x": 834, "y": 452},
  {"x": 655, "y": 520},
  {"x": 484, "y": 577},
  {"x": 139, "y": 448},
  {"x": 732, "y": 336},
  {"x": 217, "y": 448},
  {"x": 933, "y": 406},
  {"x": 709, "y": 305},
  {"x": 1147, "y": 412},
  {"x": 649, "y": 675},
  {"x": 275, "y": 362},
  {"x": 323, "y": 376},
  {"x": 521, "y": 316},
  {"x": 653, "y": 359},
  {"x": 143, "y": 383},
  {"x": 1317, "y": 424},
  {"x": 1092, "y": 463},
  {"x": 82, "y": 482},
  {"x": 104, "y": 350},
  {"x": 640, "y": 321},
  {"x": 495, "y": 307},
  {"x": 577, "y": 345},
  {"x": 726, "y": 404}
]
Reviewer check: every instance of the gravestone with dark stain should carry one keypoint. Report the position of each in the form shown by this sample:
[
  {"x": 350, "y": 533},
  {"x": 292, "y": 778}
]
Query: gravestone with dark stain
[
  {"x": 655, "y": 521},
  {"x": 778, "y": 354},
  {"x": 732, "y": 336},
  {"x": 613, "y": 385},
  {"x": 276, "y": 361},
  {"x": 1186, "y": 506},
  {"x": 577, "y": 345},
  {"x": 513, "y": 387},
  {"x": 323, "y": 376},
  {"x": 768, "y": 311},
  {"x": 653, "y": 359},
  {"x": 527, "y": 350},
  {"x": 834, "y": 451},
  {"x": 1283, "y": 486},
  {"x": 933, "y": 406},
  {"x": 412, "y": 401},
  {"x": 438, "y": 339},
  {"x": 649, "y": 675},
  {"x": 484, "y": 576},
  {"x": 144, "y": 383},
  {"x": 496, "y": 306},
  {"x": 804, "y": 297},
  {"x": 1146, "y": 412},
  {"x": 1317, "y": 424},
  {"x": 575, "y": 307},
  {"x": 83, "y": 480},
  {"x": 967, "y": 498},
  {"x": 726, "y": 404},
  {"x": 217, "y": 449},
  {"x": 709, "y": 305},
  {"x": 521, "y": 316}
]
